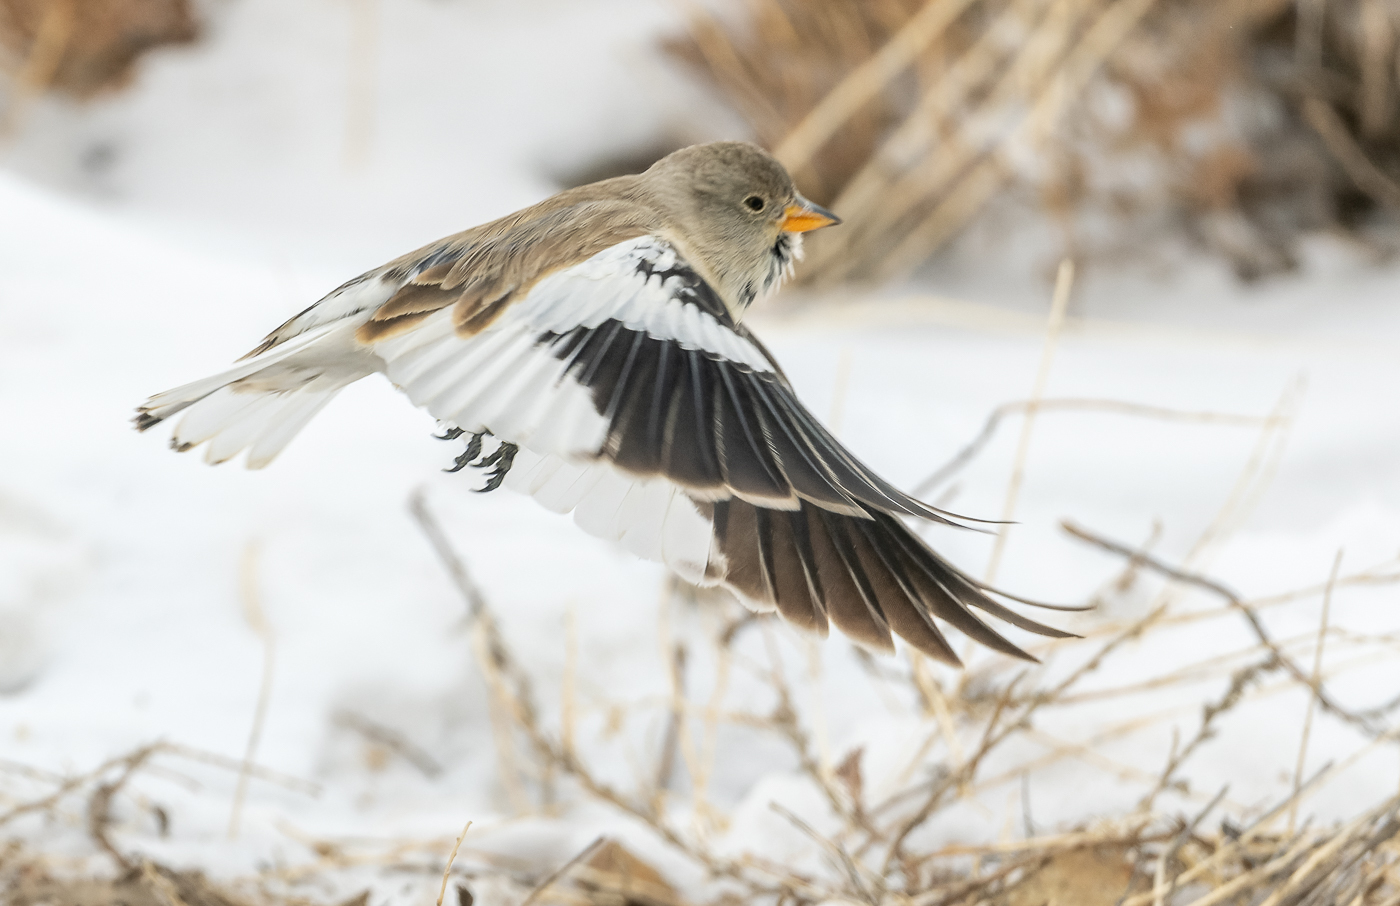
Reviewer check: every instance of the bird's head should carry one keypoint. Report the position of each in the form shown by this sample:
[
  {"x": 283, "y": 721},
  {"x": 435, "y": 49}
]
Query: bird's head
[{"x": 736, "y": 214}]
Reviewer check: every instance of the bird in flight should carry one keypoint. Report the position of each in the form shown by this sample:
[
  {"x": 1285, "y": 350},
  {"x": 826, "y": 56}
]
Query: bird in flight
[{"x": 598, "y": 337}]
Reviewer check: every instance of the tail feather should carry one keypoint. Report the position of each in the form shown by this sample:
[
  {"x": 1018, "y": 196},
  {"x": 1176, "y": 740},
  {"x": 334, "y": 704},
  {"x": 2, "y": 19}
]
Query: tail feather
[
  {"x": 274, "y": 439},
  {"x": 206, "y": 417},
  {"x": 239, "y": 432},
  {"x": 262, "y": 402},
  {"x": 163, "y": 405}
]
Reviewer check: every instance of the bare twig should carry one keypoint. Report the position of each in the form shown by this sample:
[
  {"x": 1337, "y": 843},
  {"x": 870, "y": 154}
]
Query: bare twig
[
  {"x": 476, "y": 601},
  {"x": 560, "y": 871},
  {"x": 843, "y": 858},
  {"x": 47, "y": 802},
  {"x": 392, "y": 739},
  {"x": 1239, "y": 682},
  {"x": 969, "y": 452},
  {"x": 1162, "y": 888},
  {"x": 994, "y": 734},
  {"x": 295, "y": 784},
  {"x": 1324, "y": 699},
  {"x": 512, "y": 685},
  {"x": 100, "y": 803},
  {"x": 666, "y": 765},
  {"x": 785, "y": 720},
  {"x": 1235, "y": 847}
]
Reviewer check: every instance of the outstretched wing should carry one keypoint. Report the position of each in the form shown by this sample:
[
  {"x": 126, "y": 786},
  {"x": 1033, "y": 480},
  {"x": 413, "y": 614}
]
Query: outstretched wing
[
  {"x": 643, "y": 407},
  {"x": 631, "y": 357}
]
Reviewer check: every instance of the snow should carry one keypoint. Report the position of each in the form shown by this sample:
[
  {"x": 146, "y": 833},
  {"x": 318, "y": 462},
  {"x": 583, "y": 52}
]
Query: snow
[{"x": 224, "y": 202}]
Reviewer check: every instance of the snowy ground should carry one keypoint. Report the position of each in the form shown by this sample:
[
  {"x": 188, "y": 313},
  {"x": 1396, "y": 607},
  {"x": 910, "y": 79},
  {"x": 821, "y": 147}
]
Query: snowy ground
[{"x": 228, "y": 196}]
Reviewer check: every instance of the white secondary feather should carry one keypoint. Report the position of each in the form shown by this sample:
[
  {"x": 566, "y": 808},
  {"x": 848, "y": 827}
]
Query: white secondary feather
[
  {"x": 501, "y": 379},
  {"x": 652, "y": 518},
  {"x": 504, "y": 379}
]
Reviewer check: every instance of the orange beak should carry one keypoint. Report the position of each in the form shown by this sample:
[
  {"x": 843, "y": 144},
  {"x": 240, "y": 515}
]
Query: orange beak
[{"x": 802, "y": 215}]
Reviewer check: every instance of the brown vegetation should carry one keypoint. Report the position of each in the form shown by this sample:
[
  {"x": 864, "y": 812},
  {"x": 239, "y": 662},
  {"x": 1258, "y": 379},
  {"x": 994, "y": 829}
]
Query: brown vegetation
[
  {"x": 1241, "y": 124},
  {"x": 83, "y": 47}
]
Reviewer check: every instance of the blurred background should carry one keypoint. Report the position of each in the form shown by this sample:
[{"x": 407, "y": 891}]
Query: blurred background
[{"x": 301, "y": 686}]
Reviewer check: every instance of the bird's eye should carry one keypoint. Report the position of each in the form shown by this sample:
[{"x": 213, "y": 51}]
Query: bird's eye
[{"x": 754, "y": 203}]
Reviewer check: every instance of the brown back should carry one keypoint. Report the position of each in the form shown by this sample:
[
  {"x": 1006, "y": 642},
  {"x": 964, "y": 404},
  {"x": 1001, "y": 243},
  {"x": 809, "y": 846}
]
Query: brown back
[{"x": 481, "y": 271}]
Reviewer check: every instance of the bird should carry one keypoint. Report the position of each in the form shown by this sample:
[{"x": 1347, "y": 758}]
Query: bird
[{"x": 597, "y": 340}]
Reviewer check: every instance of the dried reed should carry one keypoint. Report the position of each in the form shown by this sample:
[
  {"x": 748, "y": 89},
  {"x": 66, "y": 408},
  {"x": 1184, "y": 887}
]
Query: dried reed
[
  {"x": 81, "y": 47},
  {"x": 1239, "y": 124}
]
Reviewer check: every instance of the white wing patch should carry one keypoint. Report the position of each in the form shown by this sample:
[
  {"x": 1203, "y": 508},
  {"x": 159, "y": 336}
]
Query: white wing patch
[
  {"x": 504, "y": 380},
  {"x": 500, "y": 380},
  {"x": 614, "y": 285},
  {"x": 651, "y": 518}
]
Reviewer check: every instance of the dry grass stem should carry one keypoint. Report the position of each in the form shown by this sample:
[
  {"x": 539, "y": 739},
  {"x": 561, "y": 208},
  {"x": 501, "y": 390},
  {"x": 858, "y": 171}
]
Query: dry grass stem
[
  {"x": 1021, "y": 407},
  {"x": 562, "y": 869},
  {"x": 1362, "y": 722},
  {"x": 1115, "y": 120},
  {"x": 1315, "y": 681},
  {"x": 392, "y": 740},
  {"x": 257, "y": 621},
  {"x": 867, "y": 80},
  {"x": 1064, "y": 281},
  {"x": 451, "y": 857}
]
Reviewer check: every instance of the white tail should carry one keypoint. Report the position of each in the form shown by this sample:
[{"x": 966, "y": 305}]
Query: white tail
[{"x": 263, "y": 401}]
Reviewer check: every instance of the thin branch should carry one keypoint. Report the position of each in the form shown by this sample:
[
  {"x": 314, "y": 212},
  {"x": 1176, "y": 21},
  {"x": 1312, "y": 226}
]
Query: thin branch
[
  {"x": 1017, "y": 407},
  {"x": 843, "y": 858},
  {"x": 559, "y": 872},
  {"x": 514, "y": 688},
  {"x": 1163, "y": 890},
  {"x": 1239, "y": 683},
  {"x": 100, "y": 804},
  {"x": 392, "y": 739},
  {"x": 476, "y": 601},
  {"x": 1324, "y": 699},
  {"x": 1368, "y": 177}
]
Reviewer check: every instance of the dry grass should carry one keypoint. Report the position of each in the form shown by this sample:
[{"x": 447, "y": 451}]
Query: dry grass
[
  {"x": 1147, "y": 856},
  {"x": 882, "y": 852},
  {"x": 1240, "y": 124},
  {"x": 80, "y": 47},
  {"x": 885, "y": 837},
  {"x": 1144, "y": 857},
  {"x": 885, "y": 840}
]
